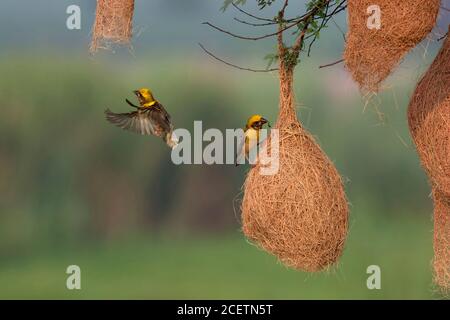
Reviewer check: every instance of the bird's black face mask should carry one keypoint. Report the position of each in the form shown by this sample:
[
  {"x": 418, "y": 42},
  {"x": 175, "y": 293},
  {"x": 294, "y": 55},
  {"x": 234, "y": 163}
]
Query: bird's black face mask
[{"x": 259, "y": 124}]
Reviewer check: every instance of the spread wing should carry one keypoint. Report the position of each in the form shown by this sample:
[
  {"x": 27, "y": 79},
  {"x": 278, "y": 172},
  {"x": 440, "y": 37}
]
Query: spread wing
[
  {"x": 135, "y": 121},
  {"x": 162, "y": 117}
]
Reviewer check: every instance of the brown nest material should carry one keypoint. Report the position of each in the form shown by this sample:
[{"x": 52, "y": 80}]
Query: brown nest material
[
  {"x": 429, "y": 124},
  {"x": 372, "y": 54},
  {"x": 300, "y": 214},
  {"x": 441, "y": 262},
  {"x": 429, "y": 120},
  {"x": 113, "y": 23}
]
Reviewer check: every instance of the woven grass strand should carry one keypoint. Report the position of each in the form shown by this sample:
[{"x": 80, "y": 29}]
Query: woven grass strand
[{"x": 113, "y": 24}]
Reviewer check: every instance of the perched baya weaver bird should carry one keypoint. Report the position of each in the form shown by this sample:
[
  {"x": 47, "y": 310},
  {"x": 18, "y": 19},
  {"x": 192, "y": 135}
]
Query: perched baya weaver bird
[
  {"x": 150, "y": 118},
  {"x": 251, "y": 137}
]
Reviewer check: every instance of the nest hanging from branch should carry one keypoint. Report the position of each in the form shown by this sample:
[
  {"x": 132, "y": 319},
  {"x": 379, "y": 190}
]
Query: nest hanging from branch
[
  {"x": 299, "y": 214},
  {"x": 429, "y": 124},
  {"x": 372, "y": 54},
  {"x": 113, "y": 23}
]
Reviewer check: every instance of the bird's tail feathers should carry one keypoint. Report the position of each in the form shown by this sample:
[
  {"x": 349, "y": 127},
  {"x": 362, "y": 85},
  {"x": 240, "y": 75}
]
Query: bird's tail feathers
[
  {"x": 239, "y": 159},
  {"x": 171, "y": 140}
]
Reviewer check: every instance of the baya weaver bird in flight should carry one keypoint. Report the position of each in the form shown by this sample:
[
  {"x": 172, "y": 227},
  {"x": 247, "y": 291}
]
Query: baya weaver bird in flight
[
  {"x": 150, "y": 118},
  {"x": 251, "y": 136}
]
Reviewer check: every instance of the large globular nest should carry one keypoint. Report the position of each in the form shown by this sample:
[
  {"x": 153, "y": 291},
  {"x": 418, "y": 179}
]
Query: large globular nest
[
  {"x": 371, "y": 54},
  {"x": 429, "y": 124},
  {"x": 113, "y": 23},
  {"x": 299, "y": 214},
  {"x": 429, "y": 120},
  {"x": 441, "y": 261}
]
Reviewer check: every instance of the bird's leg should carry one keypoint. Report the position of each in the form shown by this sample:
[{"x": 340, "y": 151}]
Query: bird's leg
[{"x": 131, "y": 104}]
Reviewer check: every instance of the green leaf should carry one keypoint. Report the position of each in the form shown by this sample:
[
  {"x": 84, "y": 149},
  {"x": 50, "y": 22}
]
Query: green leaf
[
  {"x": 271, "y": 59},
  {"x": 227, "y": 3},
  {"x": 263, "y": 3}
]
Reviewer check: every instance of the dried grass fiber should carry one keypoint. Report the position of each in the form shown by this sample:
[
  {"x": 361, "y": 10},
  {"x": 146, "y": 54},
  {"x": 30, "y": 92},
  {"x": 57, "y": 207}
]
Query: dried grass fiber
[
  {"x": 113, "y": 23},
  {"x": 372, "y": 54},
  {"x": 441, "y": 261},
  {"x": 299, "y": 214}
]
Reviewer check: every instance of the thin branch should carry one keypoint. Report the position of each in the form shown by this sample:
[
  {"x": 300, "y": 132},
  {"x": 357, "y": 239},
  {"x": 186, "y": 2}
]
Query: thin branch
[
  {"x": 443, "y": 37},
  {"x": 298, "y": 18},
  {"x": 249, "y": 14},
  {"x": 337, "y": 10},
  {"x": 340, "y": 29},
  {"x": 299, "y": 42},
  {"x": 446, "y": 9},
  {"x": 233, "y": 65},
  {"x": 307, "y": 14},
  {"x": 322, "y": 11},
  {"x": 250, "y": 38},
  {"x": 255, "y": 24},
  {"x": 283, "y": 9},
  {"x": 281, "y": 47},
  {"x": 331, "y": 64},
  {"x": 324, "y": 22}
]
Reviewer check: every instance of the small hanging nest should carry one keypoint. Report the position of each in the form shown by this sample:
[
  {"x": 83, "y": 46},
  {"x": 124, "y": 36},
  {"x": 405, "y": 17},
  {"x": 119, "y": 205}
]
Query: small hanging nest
[
  {"x": 299, "y": 214},
  {"x": 372, "y": 54},
  {"x": 113, "y": 23},
  {"x": 441, "y": 262},
  {"x": 429, "y": 120},
  {"x": 429, "y": 124}
]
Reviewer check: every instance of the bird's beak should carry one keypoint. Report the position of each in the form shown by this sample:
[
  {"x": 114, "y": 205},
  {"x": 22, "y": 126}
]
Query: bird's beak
[{"x": 263, "y": 121}]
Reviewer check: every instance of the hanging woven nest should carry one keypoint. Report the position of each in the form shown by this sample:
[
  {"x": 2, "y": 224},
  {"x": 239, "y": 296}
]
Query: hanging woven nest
[
  {"x": 371, "y": 54},
  {"x": 113, "y": 24},
  {"x": 429, "y": 120},
  {"x": 299, "y": 214},
  {"x": 429, "y": 124}
]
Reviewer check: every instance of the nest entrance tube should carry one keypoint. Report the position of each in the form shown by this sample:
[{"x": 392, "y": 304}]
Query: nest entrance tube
[
  {"x": 113, "y": 23},
  {"x": 371, "y": 54},
  {"x": 287, "y": 112},
  {"x": 429, "y": 124},
  {"x": 299, "y": 214}
]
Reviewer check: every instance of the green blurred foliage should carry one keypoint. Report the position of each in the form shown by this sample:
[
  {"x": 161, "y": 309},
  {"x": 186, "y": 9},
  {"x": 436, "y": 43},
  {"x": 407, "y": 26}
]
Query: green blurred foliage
[{"x": 229, "y": 268}]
